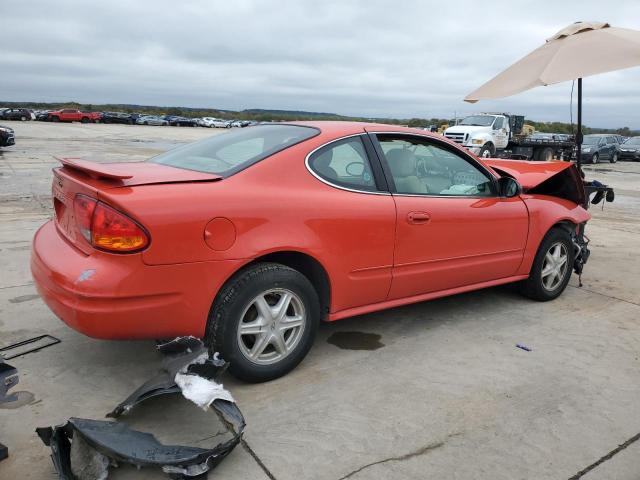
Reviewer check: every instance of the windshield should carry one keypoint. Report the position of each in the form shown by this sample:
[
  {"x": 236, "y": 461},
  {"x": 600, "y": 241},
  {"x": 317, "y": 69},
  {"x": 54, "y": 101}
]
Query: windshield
[
  {"x": 478, "y": 120},
  {"x": 633, "y": 141},
  {"x": 228, "y": 153},
  {"x": 589, "y": 140}
]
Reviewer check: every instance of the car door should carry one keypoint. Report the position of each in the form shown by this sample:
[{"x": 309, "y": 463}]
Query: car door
[
  {"x": 500, "y": 133},
  {"x": 452, "y": 228}
]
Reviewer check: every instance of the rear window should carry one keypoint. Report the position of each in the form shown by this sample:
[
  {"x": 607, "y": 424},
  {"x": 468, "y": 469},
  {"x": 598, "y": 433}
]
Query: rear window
[{"x": 228, "y": 153}]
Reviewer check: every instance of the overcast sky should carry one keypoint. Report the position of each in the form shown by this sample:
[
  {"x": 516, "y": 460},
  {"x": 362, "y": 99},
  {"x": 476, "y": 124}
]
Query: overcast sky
[{"x": 377, "y": 58}]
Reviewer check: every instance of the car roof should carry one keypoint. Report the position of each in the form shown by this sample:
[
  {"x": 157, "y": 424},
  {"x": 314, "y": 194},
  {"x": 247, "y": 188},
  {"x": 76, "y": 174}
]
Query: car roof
[{"x": 347, "y": 127}]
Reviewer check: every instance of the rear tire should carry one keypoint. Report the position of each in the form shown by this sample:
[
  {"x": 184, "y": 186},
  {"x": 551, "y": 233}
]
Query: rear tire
[
  {"x": 545, "y": 154},
  {"x": 248, "y": 302},
  {"x": 84, "y": 120},
  {"x": 552, "y": 267}
]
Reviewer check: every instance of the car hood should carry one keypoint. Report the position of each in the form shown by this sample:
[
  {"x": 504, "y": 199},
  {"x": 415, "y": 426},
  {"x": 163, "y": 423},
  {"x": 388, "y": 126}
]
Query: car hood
[
  {"x": 555, "y": 179},
  {"x": 466, "y": 129},
  {"x": 129, "y": 174},
  {"x": 528, "y": 174}
]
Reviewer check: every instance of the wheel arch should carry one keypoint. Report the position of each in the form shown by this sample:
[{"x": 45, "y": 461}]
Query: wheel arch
[
  {"x": 546, "y": 213},
  {"x": 304, "y": 263}
]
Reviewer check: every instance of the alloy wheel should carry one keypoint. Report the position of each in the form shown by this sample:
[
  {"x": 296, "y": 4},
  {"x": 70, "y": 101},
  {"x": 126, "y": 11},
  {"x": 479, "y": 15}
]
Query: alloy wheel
[
  {"x": 554, "y": 266},
  {"x": 271, "y": 326}
]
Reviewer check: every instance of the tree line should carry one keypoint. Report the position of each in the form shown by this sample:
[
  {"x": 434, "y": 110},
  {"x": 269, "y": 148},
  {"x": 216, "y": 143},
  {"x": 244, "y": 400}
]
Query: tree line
[{"x": 280, "y": 115}]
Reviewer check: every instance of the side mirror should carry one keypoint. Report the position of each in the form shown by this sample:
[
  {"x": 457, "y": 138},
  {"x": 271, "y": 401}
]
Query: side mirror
[{"x": 508, "y": 187}]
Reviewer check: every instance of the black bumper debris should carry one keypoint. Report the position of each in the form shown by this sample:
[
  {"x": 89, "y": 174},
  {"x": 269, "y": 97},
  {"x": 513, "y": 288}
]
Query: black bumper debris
[
  {"x": 8, "y": 380},
  {"x": 187, "y": 369}
]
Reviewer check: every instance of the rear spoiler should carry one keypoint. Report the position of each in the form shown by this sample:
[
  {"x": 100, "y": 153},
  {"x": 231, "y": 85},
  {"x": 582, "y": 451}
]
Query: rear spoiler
[
  {"x": 95, "y": 170},
  {"x": 129, "y": 174}
]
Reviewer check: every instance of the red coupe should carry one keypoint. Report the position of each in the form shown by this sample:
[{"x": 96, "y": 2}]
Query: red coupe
[{"x": 250, "y": 238}]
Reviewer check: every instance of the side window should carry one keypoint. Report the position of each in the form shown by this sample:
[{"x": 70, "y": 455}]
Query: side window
[
  {"x": 344, "y": 163},
  {"x": 420, "y": 167},
  {"x": 498, "y": 124}
]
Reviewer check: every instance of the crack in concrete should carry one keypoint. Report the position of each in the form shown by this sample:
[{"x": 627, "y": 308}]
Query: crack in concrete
[
  {"x": 605, "y": 295},
  {"x": 257, "y": 459},
  {"x": 608, "y": 456},
  {"x": 401, "y": 458},
  {"x": 17, "y": 286}
]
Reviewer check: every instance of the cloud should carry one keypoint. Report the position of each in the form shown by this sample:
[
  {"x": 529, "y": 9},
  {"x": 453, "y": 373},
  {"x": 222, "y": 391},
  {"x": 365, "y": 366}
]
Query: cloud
[{"x": 362, "y": 57}]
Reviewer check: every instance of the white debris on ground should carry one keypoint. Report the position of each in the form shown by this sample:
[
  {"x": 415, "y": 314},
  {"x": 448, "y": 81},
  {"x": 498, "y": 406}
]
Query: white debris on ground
[{"x": 199, "y": 390}]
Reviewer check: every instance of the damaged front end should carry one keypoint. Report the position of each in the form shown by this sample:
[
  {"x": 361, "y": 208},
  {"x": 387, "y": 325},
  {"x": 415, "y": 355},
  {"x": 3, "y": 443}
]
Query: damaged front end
[
  {"x": 561, "y": 180},
  {"x": 86, "y": 449},
  {"x": 581, "y": 250}
]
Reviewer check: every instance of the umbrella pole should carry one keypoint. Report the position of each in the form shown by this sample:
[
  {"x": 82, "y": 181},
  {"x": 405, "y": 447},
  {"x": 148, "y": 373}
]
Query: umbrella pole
[{"x": 579, "y": 133}]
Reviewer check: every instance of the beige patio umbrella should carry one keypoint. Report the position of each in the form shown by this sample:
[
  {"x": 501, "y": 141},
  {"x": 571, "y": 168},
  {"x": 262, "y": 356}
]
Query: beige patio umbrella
[{"x": 577, "y": 51}]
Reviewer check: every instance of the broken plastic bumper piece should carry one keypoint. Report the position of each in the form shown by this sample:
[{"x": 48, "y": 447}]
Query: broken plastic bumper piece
[{"x": 88, "y": 448}]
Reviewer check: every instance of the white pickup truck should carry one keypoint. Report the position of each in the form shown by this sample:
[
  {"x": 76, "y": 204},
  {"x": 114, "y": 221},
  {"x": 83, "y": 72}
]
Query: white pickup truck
[{"x": 500, "y": 135}]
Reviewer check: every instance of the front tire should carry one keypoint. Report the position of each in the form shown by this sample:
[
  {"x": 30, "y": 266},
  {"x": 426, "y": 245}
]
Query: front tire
[
  {"x": 264, "y": 321},
  {"x": 614, "y": 158},
  {"x": 594, "y": 159},
  {"x": 551, "y": 269},
  {"x": 487, "y": 151}
]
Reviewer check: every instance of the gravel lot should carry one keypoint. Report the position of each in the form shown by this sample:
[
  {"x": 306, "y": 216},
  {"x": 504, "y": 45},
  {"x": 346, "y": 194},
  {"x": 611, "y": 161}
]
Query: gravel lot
[{"x": 442, "y": 393}]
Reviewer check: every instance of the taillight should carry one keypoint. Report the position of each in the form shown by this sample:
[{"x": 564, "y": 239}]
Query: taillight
[
  {"x": 106, "y": 228},
  {"x": 83, "y": 208}
]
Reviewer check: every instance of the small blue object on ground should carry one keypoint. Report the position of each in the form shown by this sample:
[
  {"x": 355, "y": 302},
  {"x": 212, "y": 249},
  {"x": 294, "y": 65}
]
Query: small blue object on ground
[{"x": 523, "y": 347}]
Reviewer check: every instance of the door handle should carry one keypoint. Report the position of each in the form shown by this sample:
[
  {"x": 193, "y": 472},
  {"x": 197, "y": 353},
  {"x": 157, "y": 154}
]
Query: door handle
[{"x": 418, "y": 217}]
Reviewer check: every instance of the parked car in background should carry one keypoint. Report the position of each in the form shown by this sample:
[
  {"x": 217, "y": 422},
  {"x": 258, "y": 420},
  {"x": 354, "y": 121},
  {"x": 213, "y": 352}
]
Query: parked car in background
[
  {"x": 261, "y": 258},
  {"x": 21, "y": 114},
  {"x": 630, "y": 150},
  {"x": 598, "y": 147},
  {"x": 71, "y": 115},
  {"x": 185, "y": 122},
  {"x": 117, "y": 117},
  {"x": 151, "y": 120},
  {"x": 220, "y": 123},
  {"x": 7, "y": 136},
  {"x": 42, "y": 115},
  {"x": 207, "y": 122}
]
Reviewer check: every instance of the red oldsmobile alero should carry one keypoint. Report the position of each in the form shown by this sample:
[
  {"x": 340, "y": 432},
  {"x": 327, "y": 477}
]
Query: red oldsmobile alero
[{"x": 250, "y": 238}]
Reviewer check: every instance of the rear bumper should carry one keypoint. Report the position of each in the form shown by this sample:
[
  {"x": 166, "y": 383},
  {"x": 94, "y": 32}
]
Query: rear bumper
[{"x": 118, "y": 296}]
